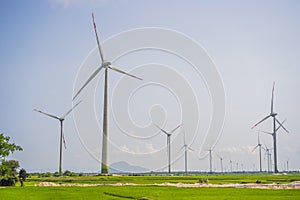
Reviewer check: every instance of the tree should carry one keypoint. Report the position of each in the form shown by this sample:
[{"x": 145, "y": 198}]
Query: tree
[
  {"x": 69, "y": 173},
  {"x": 14, "y": 165},
  {"x": 4, "y": 170},
  {"x": 8, "y": 169},
  {"x": 6, "y": 148},
  {"x": 22, "y": 176}
]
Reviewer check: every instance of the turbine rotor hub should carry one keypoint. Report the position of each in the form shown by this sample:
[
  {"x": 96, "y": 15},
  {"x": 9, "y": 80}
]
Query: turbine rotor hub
[
  {"x": 106, "y": 64},
  {"x": 273, "y": 114}
]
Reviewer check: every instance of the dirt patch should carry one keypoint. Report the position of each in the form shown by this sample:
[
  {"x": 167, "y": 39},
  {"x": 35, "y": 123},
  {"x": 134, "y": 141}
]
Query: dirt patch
[{"x": 293, "y": 185}]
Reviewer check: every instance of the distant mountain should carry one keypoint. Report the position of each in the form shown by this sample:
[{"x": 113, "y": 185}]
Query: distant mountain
[{"x": 124, "y": 167}]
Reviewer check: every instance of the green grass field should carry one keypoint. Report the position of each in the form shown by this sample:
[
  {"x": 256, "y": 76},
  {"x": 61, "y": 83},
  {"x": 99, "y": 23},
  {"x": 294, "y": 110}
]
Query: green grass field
[{"x": 145, "y": 191}]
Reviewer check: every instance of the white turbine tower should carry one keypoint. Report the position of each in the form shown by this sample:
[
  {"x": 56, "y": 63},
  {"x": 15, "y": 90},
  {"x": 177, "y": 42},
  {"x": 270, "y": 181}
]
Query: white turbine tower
[
  {"x": 273, "y": 114},
  {"x": 269, "y": 160},
  {"x": 104, "y": 65},
  {"x": 230, "y": 162},
  {"x": 62, "y": 137},
  {"x": 168, "y": 144},
  {"x": 259, "y": 145},
  {"x": 186, "y": 148},
  {"x": 221, "y": 161},
  {"x": 210, "y": 159}
]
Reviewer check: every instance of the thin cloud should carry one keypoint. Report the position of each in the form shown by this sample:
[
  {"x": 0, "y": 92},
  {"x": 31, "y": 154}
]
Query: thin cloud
[{"x": 241, "y": 149}]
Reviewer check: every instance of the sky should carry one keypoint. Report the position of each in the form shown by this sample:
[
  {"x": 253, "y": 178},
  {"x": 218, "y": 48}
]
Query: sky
[{"x": 48, "y": 49}]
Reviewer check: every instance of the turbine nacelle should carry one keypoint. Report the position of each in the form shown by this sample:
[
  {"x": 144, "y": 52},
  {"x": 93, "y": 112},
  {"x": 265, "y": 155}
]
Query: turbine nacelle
[
  {"x": 273, "y": 114},
  {"x": 106, "y": 64}
]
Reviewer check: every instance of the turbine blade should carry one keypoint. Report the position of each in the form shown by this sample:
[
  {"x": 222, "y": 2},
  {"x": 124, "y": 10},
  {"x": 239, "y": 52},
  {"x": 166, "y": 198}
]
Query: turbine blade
[
  {"x": 267, "y": 132},
  {"x": 67, "y": 113},
  {"x": 98, "y": 40},
  {"x": 254, "y": 148},
  {"x": 65, "y": 145},
  {"x": 87, "y": 82},
  {"x": 122, "y": 72},
  {"x": 280, "y": 125},
  {"x": 161, "y": 129},
  {"x": 53, "y": 116},
  {"x": 267, "y": 149},
  {"x": 272, "y": 98},
  {"x": 180, "y": 149},
  {"x": 258, "y": 140},
  {"x": 261, "y": 121},
  {"x": 184, "y": 136},
  {"x": 191, "y": 149},
  {"x": 176, "y": 128}
]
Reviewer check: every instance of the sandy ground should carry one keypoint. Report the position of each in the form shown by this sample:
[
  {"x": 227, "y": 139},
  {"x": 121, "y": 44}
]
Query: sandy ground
[{"x": 293, "y": 185}]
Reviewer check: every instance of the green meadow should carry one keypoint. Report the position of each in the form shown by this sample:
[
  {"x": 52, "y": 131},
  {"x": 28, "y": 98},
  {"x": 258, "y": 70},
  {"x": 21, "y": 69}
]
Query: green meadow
[
  {"x": 147, "y": 191},
  {"x": 144, "y": 192}
]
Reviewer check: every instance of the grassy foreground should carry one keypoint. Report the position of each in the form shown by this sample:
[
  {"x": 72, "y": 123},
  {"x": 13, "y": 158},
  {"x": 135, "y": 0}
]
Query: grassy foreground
[
  {"x": 146, "y": 191},
  {"x": 143, "y": 192}
]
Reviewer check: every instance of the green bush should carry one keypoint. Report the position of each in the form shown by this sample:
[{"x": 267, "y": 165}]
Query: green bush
[
  {"x": 69, "y": 173},
  {"x": 56, "y": 174},
  {"x": 8, "y": 180}
]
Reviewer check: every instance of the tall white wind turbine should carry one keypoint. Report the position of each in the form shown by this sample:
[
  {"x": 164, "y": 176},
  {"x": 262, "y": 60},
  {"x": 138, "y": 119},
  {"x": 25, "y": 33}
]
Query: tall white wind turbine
[
  {"x": 62, "y": 137},
  {"x": 273, "y": 115},
  {"x": 210, "y": 159},
  {"x": 259, "y": 146},
  {"x": 106, "y": 66},
  {"x": 269, "y": 160},
  {"x": 168, "y": 143},
  {"x": 221, "y": 162},
  {"x": 186, "y": 149}
]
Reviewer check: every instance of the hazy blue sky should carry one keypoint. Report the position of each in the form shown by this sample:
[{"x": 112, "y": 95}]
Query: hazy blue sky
[{"x": 252, "y": 43}]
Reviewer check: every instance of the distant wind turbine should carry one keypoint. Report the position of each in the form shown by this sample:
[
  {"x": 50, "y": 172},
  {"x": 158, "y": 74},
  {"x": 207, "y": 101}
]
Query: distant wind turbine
[
  {"x": 259, "y": 145},
  {"x": 230, "y": 162},
  {"x": 210, "y": 159},
  {"x": 104, "y": 65},
  {"x": 268, "y": 153},
  {"x": 62, "y": 137},
  {"x": 168, "y": 143},
  {"x": 273, "y": 114},
  {"x": 221, "y": 161},
  {"x": 186, "y": 148}
]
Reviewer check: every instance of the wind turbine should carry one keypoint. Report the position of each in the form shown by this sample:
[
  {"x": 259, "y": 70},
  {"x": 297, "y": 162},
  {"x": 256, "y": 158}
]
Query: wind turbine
[
  {"x": 259, "y": 145},
  {"x": 273, "y": 114},
  {"x": 268, "y": 153},
  {"x": 168, "y": 144},
  {"x": 242, "y": 166},
  {"x": 106, "y": 66},
  {"x": 186, "y": 148},
  {"x": 62, "y": 138},
  {"x": 221, "y": 161},
  {"x": 210, "y": 160},
  {"x": 230, "y": 162}
]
